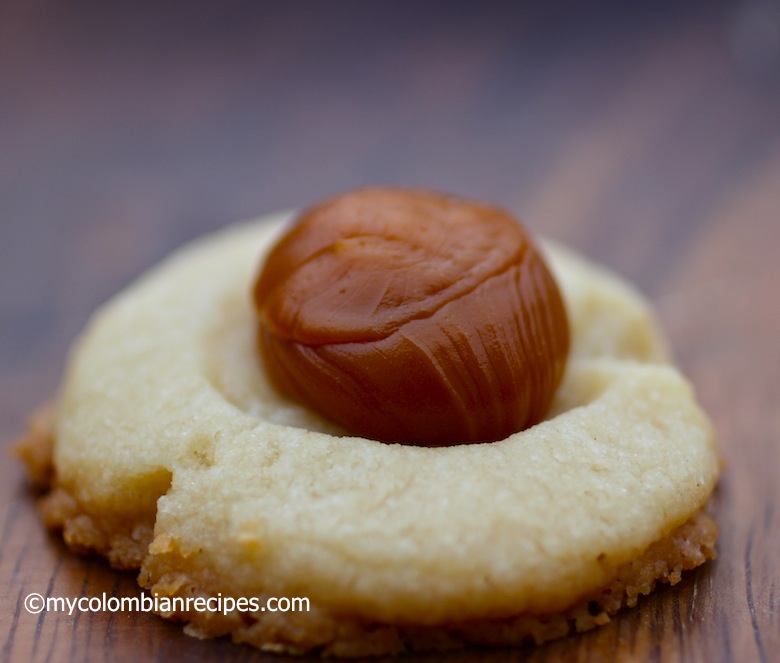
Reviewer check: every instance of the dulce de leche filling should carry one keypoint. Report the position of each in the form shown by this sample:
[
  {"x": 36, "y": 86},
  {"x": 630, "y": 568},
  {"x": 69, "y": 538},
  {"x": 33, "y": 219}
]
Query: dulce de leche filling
[{"x": 412, "y": 317}]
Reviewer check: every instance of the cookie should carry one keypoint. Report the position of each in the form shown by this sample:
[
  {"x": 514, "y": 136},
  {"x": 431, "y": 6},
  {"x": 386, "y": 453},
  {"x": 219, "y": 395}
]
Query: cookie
[{"x": 172, "y": 453}]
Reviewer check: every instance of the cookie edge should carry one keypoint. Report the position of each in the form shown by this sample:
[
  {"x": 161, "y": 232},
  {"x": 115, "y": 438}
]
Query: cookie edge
[{"x": 126, "y": 541}]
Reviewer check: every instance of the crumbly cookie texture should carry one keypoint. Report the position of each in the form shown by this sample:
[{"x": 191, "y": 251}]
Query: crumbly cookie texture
[{"x": 172, "y": 453}]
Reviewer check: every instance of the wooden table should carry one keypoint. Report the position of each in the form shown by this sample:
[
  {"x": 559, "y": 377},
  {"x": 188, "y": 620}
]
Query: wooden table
[{"x": 648, "y": 138}]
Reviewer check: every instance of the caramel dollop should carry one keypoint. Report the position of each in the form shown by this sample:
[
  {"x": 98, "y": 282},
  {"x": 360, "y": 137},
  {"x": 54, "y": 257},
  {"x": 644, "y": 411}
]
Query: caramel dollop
[{"x": 414, "y": 317}]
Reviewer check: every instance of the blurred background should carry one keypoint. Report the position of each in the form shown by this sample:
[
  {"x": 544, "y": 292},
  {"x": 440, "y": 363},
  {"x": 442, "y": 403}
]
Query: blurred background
[
  {"x": 646, "y": 135},
  {"x": 128, "y": 128}
]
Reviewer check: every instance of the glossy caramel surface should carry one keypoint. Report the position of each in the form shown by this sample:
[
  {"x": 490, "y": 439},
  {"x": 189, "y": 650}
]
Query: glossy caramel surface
[{"x": 410, "y": 316}]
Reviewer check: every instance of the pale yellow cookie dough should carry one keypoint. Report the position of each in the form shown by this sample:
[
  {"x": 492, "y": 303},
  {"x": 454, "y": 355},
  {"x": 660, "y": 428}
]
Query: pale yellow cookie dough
[{"x": 165, "y": 397}]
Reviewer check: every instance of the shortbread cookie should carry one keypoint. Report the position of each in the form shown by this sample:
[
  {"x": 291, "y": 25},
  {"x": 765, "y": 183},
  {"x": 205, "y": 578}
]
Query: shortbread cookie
[{"x": 172, "y": 453}]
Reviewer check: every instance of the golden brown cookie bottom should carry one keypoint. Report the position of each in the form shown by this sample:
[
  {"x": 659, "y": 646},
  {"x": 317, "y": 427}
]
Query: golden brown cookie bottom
[{"x": 125, "y": 541}]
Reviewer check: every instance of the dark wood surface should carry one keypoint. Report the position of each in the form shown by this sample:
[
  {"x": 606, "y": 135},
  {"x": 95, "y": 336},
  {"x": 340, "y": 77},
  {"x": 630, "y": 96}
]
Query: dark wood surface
[{"x": 647, "y": 137}]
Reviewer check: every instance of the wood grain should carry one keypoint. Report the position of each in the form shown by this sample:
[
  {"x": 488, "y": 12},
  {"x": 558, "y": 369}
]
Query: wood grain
[{"x": 648, "y": 138}]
